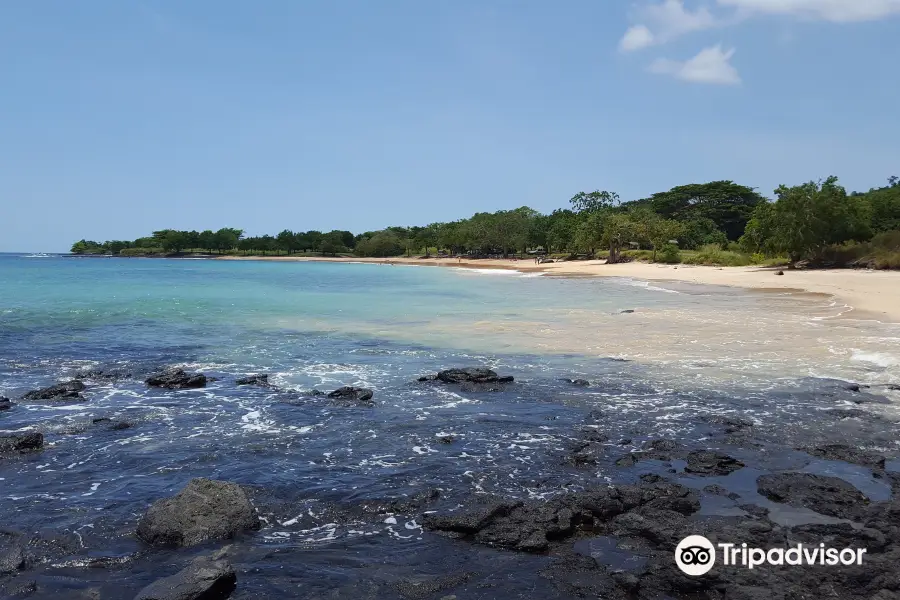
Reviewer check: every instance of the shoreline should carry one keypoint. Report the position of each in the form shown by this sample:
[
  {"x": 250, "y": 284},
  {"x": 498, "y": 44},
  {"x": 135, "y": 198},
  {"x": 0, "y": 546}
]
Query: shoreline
[{"x": 872, "y": 295}]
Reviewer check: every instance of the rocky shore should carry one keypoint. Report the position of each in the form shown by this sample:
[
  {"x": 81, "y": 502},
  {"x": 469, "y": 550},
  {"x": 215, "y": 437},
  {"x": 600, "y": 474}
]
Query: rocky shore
[{"x": 611, "y": 537}]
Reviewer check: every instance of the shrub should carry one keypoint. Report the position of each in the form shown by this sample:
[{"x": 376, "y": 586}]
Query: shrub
[
  {"x": 141, "y": 251},
  {"x": 668, "y": 254}
]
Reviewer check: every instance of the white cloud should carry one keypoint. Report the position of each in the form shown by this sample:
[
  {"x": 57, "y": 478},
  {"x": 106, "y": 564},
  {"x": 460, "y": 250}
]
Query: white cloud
[
  {"x": 711, "y": 65},
  {"x": 637, "y": 37},
  {"x": 664, "y": 22},
  {"x": 670, "y": 19},
  {"x": 838, "y": 11}
]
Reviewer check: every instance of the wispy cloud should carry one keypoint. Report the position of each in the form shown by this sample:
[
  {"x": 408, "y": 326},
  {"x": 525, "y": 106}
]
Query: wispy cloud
[
  {"x": 661, "y": 23},
  {"x": 664, "y": 21},
  {"x": 711, "y": 65},
  {"x": 837, "y": 11}
]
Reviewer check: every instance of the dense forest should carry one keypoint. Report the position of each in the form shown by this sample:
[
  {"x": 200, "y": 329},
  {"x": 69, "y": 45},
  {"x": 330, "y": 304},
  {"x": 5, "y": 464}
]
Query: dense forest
[{"x": 719, "y": 222}]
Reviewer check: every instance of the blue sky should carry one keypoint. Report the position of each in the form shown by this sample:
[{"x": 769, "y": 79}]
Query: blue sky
[{"x": 118, "y": 117}]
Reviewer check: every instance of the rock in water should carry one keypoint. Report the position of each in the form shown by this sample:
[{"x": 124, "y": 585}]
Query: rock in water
[
  {"x": 826, "y": 495},
  {"x": 12, "y": 557},
  {"x": 707, "y": 462},
  {"x": 204, "y": 510},
  {"x": 474, "y": 374},
  {"x": 352, "y": 396},
  {"x": 203, "y": 579},
  {"x": 20, "y": 444},
  {"x": 261, "y": 379},
  {"x": 5, "y": 404},
  {"x": 61, "y": 391},
  {"x": 848, "y": 454},
  {"x": 176, "y": 379}
]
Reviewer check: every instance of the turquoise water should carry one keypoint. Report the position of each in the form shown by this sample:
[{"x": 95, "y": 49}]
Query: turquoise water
[{"x": 685, "y": 353}]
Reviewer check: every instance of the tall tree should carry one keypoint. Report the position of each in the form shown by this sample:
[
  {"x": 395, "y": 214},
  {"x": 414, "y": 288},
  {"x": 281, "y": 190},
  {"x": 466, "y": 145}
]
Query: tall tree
[
  {"x": 593, "y": 201},
  {"x": 726, "y": 203}
]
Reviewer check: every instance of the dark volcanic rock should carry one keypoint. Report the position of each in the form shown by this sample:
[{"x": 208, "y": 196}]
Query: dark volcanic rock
[
  {"x": 848, "y": 454},
  {"x": 469, "y": 374},
  {"x": 69, "y": 390},
  {"x": 12, "y": 556},
  {"x": 111, "y": 374},
  {"x": 112, "y": 425},
  {"x": 708, "y": 462},
  {"x": 732, "y": 424},
  {"x": 176, "y": 379},
  {"x": 5, "y": 403},
  {"x": 20, "y": 443},
  {"x": 534, "y": 526},
  {"x": 204, "y": 510},
  {"x": 479, "y": 387},
  {"x": 473, "y": 518},
  {"x": 653, "y": 450},
  {"x": 352, "y": 396},
  {"x": 848, "y": 413},
  {"x": 261, "y": 379},
  {"x": 426, "y": 586},
  {"x": 826, "y": 495},
  {"x": 204, "y": 579},
  {"x": 718, "y": 490}
]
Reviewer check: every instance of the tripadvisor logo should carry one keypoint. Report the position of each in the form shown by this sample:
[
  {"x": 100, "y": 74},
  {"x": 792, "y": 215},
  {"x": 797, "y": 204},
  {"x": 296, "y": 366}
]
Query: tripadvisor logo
[{"x": 695, "y": 555}]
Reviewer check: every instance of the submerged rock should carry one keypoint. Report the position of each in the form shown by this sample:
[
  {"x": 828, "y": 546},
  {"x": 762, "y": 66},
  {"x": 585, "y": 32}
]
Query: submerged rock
[
  {"x": 731, "y": 424},
  {"x": 709, "y": 462},
  {"x": 176, "y": 379},
  {"x": 717, "y": 490},
  {"x": 20, "y": 443},
  {"x": 352, "y": 396},
  {"x": 204, "y": 579},
  {"x": 826, "y": 495},
  {"x": 580, "y": 382},
  {"x": 204, "y": 510},
  {"x": 480, "y": 387},
  {"x": 111, "y": 374},
  {"x": 69, "y": 390},
  {"x": 12, "y": 555},
  {"x": 849, "y": 454},
  {"x": 427, "y": 586},
  {"x": 261, "y": 379}
]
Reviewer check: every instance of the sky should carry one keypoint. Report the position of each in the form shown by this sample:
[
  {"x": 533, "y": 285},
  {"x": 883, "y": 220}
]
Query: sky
[{"x": 120, "y": 117}]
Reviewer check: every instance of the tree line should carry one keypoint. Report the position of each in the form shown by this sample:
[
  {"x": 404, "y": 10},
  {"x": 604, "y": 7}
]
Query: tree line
[{"x": 814, "y": 221}]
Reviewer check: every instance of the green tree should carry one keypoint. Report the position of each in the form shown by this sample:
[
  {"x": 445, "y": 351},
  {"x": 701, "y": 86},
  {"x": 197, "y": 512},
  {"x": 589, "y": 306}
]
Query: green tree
[
  {"x": 726, "y": 203},
  {"x": 617, "y": 230},
  {"x": 332, "y": 243},
  {"x": 593, "y": 201},
  {"x": 86, "y": 247},
  {"x": 286, "y": 241},
  {"x": 561, "y": 231},
  {"x": 207, "y": 240},
  {"x": 227, "y": 238},
  {"x": 655, "y": 230},
  {"x": 811, "y": 216}
]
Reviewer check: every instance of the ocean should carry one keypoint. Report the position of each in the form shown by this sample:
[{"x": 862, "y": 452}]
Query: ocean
[{"x": 663, "y": 361}]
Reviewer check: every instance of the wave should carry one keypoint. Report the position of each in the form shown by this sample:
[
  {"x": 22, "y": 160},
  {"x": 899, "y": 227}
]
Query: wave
[{"x": 647, "y": 286}]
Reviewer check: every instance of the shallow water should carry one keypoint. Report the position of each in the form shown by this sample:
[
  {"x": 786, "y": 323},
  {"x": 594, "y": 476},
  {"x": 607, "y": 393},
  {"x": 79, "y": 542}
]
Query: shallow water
[{"x": 686, "y": 352}]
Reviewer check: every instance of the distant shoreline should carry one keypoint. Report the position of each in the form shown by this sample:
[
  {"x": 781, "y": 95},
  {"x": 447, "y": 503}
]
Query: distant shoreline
[{"x": 873, "y": 295}]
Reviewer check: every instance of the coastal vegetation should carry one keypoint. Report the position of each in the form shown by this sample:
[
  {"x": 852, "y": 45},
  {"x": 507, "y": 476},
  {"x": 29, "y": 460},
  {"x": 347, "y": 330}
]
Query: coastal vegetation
[{"x": 718, "y": 223}]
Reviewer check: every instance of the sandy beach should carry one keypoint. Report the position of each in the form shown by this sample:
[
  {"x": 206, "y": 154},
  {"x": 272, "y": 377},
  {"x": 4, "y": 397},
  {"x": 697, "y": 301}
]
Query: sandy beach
[{"x": 871, "y": 294}]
